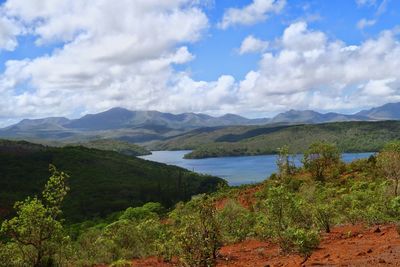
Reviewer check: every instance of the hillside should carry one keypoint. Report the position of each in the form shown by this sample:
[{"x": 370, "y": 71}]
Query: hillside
[
  {"x": 253, "y": 140},
  {"x": 101, "y": 182},
  {"x": 121, "y": 147},
  {"x": 119, "y": 123},
  {"x": 148, "y": 126}
]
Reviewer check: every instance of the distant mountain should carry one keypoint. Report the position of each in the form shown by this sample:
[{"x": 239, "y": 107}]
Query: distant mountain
[
  {"x": 120, "y": 123},
  {"x": 390, "y": 111},
  {"x": 310, "y": 116},
  {"x": 149, "y": 126},
  {"x": 118, "y": 118}
]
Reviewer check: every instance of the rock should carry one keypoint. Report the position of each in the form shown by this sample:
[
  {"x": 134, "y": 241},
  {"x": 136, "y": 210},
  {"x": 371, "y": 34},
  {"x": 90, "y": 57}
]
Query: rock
[
  {"x": 369, "y": 250},
  {"x": 377, "y": 230},
  {"x": 360, "y": 235},
  {"x": 382, "y": 260}
]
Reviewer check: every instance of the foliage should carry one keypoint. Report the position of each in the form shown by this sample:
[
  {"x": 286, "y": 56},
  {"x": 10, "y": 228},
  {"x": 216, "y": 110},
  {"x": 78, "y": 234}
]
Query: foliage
[
  {"x": 122, "y": 147},
  {"x": 235, "y": 221},
  {"x": 363, "y": 201},
  {"x": 285, "y": 162},
  {"x": 197, "y": 234},
  {"x": 102, "y": 182},
  {"x": 35, "y": 230},
  {"x": 320, "y": 159},
  {"x": 288, "y": 220},
  {"x": 389, "y": 161},
  {"x": 355, "y": 136}
]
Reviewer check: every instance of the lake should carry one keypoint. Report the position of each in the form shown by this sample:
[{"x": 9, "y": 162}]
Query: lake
[{"x": 235, "y": 170}]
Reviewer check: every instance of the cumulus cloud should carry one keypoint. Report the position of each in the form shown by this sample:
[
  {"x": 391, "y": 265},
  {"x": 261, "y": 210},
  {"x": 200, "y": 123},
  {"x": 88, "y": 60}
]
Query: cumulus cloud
[
  {"x": 311, "y": 71},
  {"x": 252, "y": 45},
  {"x": 253, "y": 13},
  {"x": 113, "y": 53},
  {"x": 124, "y": 53},
  {"x": 363, "y": 23},
  {"x": 9, "y": 30}
]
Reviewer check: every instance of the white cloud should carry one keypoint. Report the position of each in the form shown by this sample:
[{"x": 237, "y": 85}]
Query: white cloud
[
  {"x": 114, "y": 54},
  {"x": 123, "y": 54},
  {"x": 363, "y": 23},
  {"x": 311, "y": 71},
  {"x": 252, "y": 45},
  {"x": 253, "y": 13},
  {"x": 9, "y": 30}
]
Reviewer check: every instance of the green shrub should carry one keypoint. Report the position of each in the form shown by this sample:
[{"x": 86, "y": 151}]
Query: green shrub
[
  {"x": 299, "y": 240},
  {"x": 288, "y": 221},
  {"x": 364, "y": 202},
  {"x": 235, "y": 221},
  {"x": 197, "y": 234}
]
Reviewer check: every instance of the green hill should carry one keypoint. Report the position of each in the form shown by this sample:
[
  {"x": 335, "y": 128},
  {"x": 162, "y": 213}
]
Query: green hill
[
  {"x": 122, "y": 147},
  {"x": 256, "y": 140},
  {"x": 101, "y": 182}
]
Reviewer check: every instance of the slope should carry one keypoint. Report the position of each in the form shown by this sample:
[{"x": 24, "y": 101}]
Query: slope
[{"x": 101, "y": 182}]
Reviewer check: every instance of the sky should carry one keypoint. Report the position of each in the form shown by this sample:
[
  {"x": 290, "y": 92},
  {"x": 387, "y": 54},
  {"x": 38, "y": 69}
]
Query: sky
[{"x": 250, "y": 57}]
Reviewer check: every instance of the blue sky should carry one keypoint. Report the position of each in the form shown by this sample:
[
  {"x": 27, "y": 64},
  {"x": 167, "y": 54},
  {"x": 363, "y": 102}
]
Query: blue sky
[{"x": 251, "y": 57}]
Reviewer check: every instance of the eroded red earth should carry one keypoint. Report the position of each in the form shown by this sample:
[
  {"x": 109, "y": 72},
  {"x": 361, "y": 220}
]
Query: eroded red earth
[{"x": 350, "y": 245}]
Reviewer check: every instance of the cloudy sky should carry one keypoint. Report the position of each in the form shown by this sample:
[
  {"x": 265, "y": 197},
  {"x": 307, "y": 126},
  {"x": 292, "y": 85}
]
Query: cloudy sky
[{"x": 251, "y": 57}]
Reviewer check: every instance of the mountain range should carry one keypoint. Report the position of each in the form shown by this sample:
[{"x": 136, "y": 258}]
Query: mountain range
[{"x": 147, "y": 126}]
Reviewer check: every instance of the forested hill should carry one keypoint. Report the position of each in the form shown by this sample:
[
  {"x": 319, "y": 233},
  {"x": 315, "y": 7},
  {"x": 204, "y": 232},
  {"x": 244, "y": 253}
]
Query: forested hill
[
  {"x": 101, "y": 182},
  {"x": 257, "y": 140}
]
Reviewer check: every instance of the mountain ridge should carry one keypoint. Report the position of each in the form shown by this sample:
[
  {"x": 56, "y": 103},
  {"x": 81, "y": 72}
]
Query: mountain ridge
[{"x": 141, "y": 126}]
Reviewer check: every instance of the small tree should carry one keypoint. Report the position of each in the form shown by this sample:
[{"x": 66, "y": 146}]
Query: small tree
[
  {"x": 36, "y": 229},
  {"x": 389, "y": 162},
  {"x": 319, "y": 158},
  {"x": 284, "y": 162}
]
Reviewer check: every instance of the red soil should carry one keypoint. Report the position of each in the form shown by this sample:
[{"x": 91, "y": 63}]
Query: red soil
[{"x": 345, "y": 246}]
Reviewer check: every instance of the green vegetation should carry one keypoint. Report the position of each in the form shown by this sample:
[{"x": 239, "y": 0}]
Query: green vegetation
[
  {"x": 101, "y": 182},
  {"x": 257, "y": 140},
  {"x": 292, "y": 209},
  {"x": 122, "y": 147}
]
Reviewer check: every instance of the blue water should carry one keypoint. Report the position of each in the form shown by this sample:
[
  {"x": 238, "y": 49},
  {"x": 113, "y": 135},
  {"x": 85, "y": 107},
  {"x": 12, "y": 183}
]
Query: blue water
[{"x": 236, "y": 170}]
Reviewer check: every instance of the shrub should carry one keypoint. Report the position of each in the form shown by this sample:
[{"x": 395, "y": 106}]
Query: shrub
[
  {"x": 320, "y": 159},
  {"x": 289, "y": 223},
  {"x": 197, "y": 234},
  {"x": 389, "y": 162},
  {"x": 36, "y": 229},
  {"x": 235, "y": 221},
  {"x": 364, "y": 202},
  {"x": 300, "y": 240}
]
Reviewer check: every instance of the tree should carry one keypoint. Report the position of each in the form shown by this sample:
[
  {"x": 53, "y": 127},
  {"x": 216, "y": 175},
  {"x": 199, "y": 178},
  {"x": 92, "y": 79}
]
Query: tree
[
  {"x": 319, "y": 158},
  {"x": 389, "y": 162},
  {"x": 36, "y": 229},
  {"x": 284, "y": 162}
]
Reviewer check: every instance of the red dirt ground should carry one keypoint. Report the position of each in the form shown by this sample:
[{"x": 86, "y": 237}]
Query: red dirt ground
[{"x": 350, "y": 245}]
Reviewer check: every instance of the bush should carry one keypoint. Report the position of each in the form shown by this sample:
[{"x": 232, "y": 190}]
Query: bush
[
  {"x": 322, "y": 159},
  {"x": 288, "y": 221},
  {"x": 197, "y": 233},
  {"x": 364, "y": 202},
  {"x": 299, "y": 240},
  {"x": 235, "y": 221}
]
